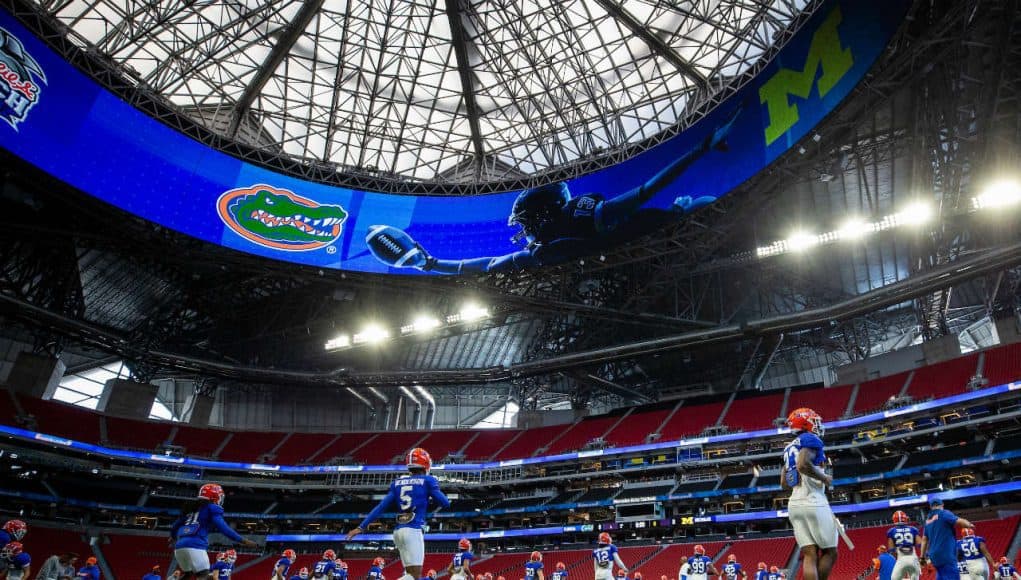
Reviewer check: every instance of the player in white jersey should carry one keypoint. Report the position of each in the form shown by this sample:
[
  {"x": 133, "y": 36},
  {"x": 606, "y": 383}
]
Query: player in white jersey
[
  {"x": 605, "y": 556},
  {"x": 901, "y": 541},
  {"x": 809, "y": 511}
]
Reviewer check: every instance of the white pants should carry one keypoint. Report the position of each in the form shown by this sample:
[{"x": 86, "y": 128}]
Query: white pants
[
  {"x": 604, "y": 573},
  {"x": 978, "y": 569},
  {"x": 192, "y": 559},
  {"x": 813, "y": 526},
  {"x": 907, "y": 565},
  {"x": 410, "y": 543},
  {"x": 457, "y": 576}
]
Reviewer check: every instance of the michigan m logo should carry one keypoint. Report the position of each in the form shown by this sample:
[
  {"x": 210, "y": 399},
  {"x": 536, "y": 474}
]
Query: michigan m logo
[{"x": 826, "y": 52}]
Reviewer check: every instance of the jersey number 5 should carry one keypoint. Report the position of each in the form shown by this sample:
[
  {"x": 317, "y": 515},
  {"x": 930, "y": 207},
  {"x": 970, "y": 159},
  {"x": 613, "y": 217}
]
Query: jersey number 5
[{"x": 406, "y": 497}]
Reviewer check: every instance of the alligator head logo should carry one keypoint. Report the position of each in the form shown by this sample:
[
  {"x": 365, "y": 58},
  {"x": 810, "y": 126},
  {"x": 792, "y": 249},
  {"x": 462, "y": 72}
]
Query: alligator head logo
[
  {"x": 20, "y": 76},
  {"x": 280, "y": 219}
]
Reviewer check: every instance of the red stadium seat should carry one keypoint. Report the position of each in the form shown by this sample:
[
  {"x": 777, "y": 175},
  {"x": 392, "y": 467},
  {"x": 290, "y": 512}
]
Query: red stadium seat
[
  {"x": 342, "y": 447},
  {"x": 249, "y": 446},
  {"x": 487, "y": 443},
  {"x": 829, "y": 402},
  {"x": 134, "y": 434},
  {"x": 300, "y": 446},
  {"x": 752, "y": 413},
  {"x": 1003, "y": 364},
  {"x": 62, "y": 419},
  {"x": 691, "y": 420},
  {"x": 530, "y": 441},
  {"x": 440, "y": 444},
  {"x": 389, "y": 447},
  {"x": 872, "y": 395},
  {"x": 635, "y": 427},
  {"x": 201, "y": 442},
  {"x": 581, "y": 433},
  {"x": 943, "y": 379}
]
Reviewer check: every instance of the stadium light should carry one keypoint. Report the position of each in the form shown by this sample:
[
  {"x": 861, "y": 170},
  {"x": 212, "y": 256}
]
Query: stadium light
[
  {"x": 372, "y": 333},
  {"x": 913, "y": 214},
  {"x": 473, "y": 312},
  {"x": 423, "y": 324},
  {"x": 1002, "y": 193},
  {"x": 854, "y": 229},
  {"x": 338, "y": 342},
  {"x": 801, "y": 241}
]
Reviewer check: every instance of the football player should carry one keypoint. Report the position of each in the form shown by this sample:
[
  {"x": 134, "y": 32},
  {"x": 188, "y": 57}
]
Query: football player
[
  {"x": 301, "y": 575},
  {"x": 17, "y": 562},
  {"x": 376, "y": 570},
  {"x": 775, "y": 573},
  {"x": 560, "y": 573},
  {"x": 284, "y": 564},
  {"x": 410, "y": 494},
  {"x": 323, "y": 569},
  {"x": 224, "y": 565},
  {"x": 939, "y": 543},
  {"x": 554, "y": 226},
  {"x": 972, "y": 550},
  {"x": 430, "y": 575},
  {"x": 762, "y": 573},
  {"x": 1004, "y": 571},
  {"x": 700, "y": 566},
  {"x": 460, "y": 565},
  {"x": 340, "y": 570},
  {"x": 809, "y": 511},
  {"x": 883, "y": 564},
  {"x": 731, "y": 570},
  {"x": 13, "y": 531},
  {"x": 901, "y": 539},
  {"x": 605, "y": 556},
  {"x": 533, "y": 567},
  {"x": 190, "y": 533}
]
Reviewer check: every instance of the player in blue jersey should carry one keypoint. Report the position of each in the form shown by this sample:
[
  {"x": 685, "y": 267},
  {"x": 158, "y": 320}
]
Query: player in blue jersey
[
  {"x": 939, "y": 539},
  {"x": 533, "y": 567},
  {"x": 700, "y": 566},
  {"x": 323, "y": 569},
  {"x": 809, "y": 511},
  {"x": 301, "y": 575},
  {"x": 901, "y": 540},
  {"x": 460, "y": 565},
  {"x": 90, "y": 571},
  {"x": 224, "y": 565},
  {"x": 560, "y": 573},
  {"x": 775, "y": 574},
  {"x": 410, "y": 494},
  {"x": 732, "y": 569},
  {"x": 762, "y": 572},
  {"x": 340, "y": 571},
  {"x": 283, "y": 564},
  {"x": 376, "y": 570},
  {"x": 17, "y": 562},
  {"x": 972, "y": 550},
  {"x": 430, "y": 575},
  {"x": 605, "y": 556},
  {"x": 190, "y": 532},
  {"x": 13, "y": 531},
  {"x": 1004, "y": 571},
  {"x": 883, "y": 564}
]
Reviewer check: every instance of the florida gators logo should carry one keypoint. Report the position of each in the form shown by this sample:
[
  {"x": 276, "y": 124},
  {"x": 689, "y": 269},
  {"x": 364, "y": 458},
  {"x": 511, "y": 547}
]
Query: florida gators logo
[
  {"x": 20, "y": 76},
  {"x": 280, "y": 219}
]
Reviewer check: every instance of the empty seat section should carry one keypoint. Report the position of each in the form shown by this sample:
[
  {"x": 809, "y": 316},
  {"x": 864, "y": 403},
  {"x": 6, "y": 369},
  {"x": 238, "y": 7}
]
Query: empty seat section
[
  {"x": 488, "y": 443},
  {"x": 342, "y": 447},
  {"x": 63, "y": 420},
  {"x": 647, "y": 491},
  {"x": 133, "y": 556},
  {"x": 202, "y": 442},
  {"x": 872, "y": 395},
  {"x": 696, "y": 486},
  {"x": 998, "y": 534},
  {"x": 579, "y": 435},
  {"x": 440, "y": 444},
  {"x": 635, "y": 427},
  {"x": 100, "y": 489},
  {"x": 945, "y": 378},
  {"x": 300, "y": 446},
  {"x": 598, "y": 494},
  {"x": 137, "y": 434},
  {"x": 772, "y": 551},
  {"x": 948, "y": 453},
  {"x": 737, "y": 481},
  {"x": 751, "y": 413},
  {"x": 249, "y": 446},
  {"x": 41, "y": 543},
  {"x": 829, "y": 402},
  {"x": 530, "y": 441},
  {"x": 388, "y": 448},
  {"x": 691, "y": 420},
  {"x": 1003, "y": 364},
  {"x": 853, "y": 466}
]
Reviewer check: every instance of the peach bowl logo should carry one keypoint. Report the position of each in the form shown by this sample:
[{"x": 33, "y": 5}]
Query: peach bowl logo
[
  {"x": 19, "y": 78},
  {"x": 280, "y": 219}
]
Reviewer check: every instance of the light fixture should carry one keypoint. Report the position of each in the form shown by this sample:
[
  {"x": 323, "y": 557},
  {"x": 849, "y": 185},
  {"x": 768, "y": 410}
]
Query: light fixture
[
  {"x": 372, "y": 333},
  {"x": 999, "y": 193},
  {"x": 338, "y": 342},
  {"x": 854, "y": 229},
  {"x": 473, "y": 311},
  {"x": 801, "y": 241},
  {"x": 423, "y": 324},
  {"x": 913, "y": 214}
]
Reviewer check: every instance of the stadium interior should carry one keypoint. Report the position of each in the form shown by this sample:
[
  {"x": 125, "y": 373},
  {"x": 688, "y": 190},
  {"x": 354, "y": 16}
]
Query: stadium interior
[{"x": 870, "y": 272}]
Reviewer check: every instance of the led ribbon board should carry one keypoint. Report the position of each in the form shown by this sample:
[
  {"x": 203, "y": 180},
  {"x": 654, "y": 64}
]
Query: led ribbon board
[{"x": 61, "y": 121}]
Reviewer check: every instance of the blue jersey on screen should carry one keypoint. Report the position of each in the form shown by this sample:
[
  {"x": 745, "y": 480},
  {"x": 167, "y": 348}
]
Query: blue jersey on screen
[
  {"x": 699, "y": 564},
  {"x": 1006, "y": 571},
  {"x": 731, "y": 570},
  {"x": 969, "y": 548},
  {"x": 224, "y": 568},
  {"x": 375, "y": 573},
  {"x": 461, "y": 559},
  {"x": 804, "y": 440},
  {"x": 192, "y": 530},
  {"x": 886, "y": 563},
  {"x": 410, "y": 495},
  {"x": 905, "y": 538},
  {"x": 604, "y": 555},
  {"x": 939, "y": 528},
  {"x": 286, "y": 563},
  {"x": 559, "y": 575},
  {"x": 532, "y": 569},
  {"x": 324, "y": 568}
]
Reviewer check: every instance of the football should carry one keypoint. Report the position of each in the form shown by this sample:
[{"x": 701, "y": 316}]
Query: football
[{"x": 395, "y": 247}]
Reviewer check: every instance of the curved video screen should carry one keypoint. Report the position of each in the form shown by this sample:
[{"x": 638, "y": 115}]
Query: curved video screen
[{"x": 61, "y": 121}]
